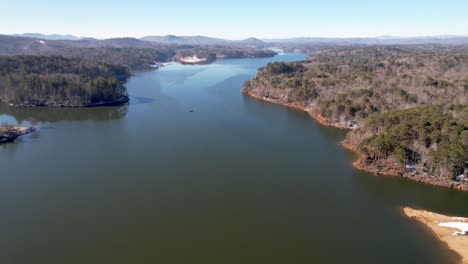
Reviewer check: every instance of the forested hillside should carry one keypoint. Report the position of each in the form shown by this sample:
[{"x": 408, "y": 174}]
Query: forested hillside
[
  {"x": 408, "y": 103},
  {"x": 422, "y": 140},
  {"x": 133, "y": 53},
  {"x": 58, "y": 81}
]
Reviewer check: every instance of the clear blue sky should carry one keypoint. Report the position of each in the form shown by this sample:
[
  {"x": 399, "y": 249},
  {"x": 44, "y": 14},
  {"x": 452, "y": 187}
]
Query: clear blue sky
[{"x": 236, "y": 19}]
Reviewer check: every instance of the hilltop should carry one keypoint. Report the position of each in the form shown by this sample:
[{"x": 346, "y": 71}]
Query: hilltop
[{"x": 202, "y": 40}]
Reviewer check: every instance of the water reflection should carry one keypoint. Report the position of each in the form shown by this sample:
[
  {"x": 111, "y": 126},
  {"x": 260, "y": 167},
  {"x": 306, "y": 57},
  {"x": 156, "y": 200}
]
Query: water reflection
[
  {"x": 142, "y": 100},
  {"x": 34, "y": 115},
  {"x": 398, "y": 192}
]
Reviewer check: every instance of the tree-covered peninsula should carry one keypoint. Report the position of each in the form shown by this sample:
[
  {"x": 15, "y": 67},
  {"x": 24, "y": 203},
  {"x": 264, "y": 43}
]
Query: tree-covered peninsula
[
  {"x": 407, "y": 106},
  {"x": 57, "y": 81}
]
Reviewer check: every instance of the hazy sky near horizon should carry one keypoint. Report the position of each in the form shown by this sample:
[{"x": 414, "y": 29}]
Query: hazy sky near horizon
[{"x": 236, "y": 19}]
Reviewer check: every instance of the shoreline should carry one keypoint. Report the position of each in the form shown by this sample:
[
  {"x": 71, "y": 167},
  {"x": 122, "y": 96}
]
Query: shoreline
[
  {"x": 15, "y": 132},
  {"x": 207, "y": 61},
  {"x": 317, "y": 117},
  {"x": 121, "y": 101},
  {"x": 388, "y": 170},
  {"x": 456, "y": 243}
]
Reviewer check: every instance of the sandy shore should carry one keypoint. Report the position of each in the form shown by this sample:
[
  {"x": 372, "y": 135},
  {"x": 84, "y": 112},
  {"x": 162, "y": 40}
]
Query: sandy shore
[
  {"x": 192, "y": 60},
  {"x": 458, "y": 243}
]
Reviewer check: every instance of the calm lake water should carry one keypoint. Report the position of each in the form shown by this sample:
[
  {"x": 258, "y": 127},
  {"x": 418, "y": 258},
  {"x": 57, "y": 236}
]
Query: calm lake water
[{"x": 234, "y": 181}]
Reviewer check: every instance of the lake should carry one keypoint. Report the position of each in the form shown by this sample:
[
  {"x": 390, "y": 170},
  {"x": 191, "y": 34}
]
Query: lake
[{"x": 192, "y": 171}]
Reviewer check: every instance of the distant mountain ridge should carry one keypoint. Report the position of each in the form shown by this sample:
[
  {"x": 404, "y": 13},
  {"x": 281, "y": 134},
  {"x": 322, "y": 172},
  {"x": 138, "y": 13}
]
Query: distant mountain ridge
[
  {"x": 11, "y": 45},
  {"x": 146, "y": 41},
  {"x": 185, "y": 40},
  {"x": 202, "y": 40},
  {"x": 50, "y": 37},
  {"x": 385, "y": 40}
]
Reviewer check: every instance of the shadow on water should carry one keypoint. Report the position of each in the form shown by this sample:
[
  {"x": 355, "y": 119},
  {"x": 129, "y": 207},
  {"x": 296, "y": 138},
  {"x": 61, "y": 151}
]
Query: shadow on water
[
  {"x": 36, "y": 115},
  {"x": 400, "y": 192},
  {"x": 220, "y": 89},
  {"x": 177, "y": 73}
]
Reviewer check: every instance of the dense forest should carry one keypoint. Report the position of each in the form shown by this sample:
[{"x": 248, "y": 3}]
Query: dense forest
[
  {"x": 132, "y": 58},
  {"x": 57, "y": 81},
  {"x": 408, "y": 103},
  {"x": 133, "y": 53},
  {"x": 426, "y": 139}
]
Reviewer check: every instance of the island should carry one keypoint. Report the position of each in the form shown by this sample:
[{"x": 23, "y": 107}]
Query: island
[
  {"x": 9, "y": 133},
  {"x": 451, "y": 230},
  {"x": 406, "y": 106}
]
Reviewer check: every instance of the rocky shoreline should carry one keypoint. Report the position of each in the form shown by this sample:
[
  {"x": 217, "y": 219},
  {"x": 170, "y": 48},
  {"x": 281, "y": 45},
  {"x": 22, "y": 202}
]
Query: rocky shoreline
[
  {"x": 387, "y": 168},
  {"x": 10, "y": 133},
  {"x": 316, "y": 116},
  {"x": 444, "y": 228},
  {"x": 384, "y": 168}
]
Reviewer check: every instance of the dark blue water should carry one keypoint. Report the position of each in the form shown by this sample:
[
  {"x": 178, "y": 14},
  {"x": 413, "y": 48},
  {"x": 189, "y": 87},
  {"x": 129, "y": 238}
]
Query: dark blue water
[{"x": 194, "y": 172}]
